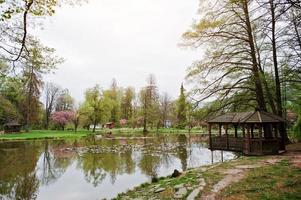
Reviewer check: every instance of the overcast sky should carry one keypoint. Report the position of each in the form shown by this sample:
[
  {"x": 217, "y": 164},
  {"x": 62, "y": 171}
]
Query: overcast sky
[{"x": 121, "y": 39}]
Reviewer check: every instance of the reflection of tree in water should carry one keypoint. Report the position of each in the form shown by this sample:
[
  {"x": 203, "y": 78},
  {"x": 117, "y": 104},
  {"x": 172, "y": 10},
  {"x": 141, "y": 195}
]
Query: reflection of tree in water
[
  {"x": 149, "y": 162},
  {"x": 18, "y": 178},
  {"x": 27, "y": 187},
  {"x": 182, "y": 153},
  {"x": 167, "y": 158},
  {"x": 97, "y": 166},
  {"x": 91, "y": 165},
  {"x": 55, "y": 162}
]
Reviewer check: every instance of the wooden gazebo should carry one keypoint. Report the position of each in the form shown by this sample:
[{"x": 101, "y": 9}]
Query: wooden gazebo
[
  {"x": 253, "y": 133},
  {"x": 12, "y": 127}
]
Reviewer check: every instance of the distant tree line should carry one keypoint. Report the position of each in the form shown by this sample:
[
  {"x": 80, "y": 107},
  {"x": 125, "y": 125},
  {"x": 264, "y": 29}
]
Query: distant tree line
[{"x": 39, "y": 105}]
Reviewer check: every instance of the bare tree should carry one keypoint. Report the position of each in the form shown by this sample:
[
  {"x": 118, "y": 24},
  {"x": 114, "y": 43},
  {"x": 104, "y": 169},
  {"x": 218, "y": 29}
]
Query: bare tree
[
  {"x": 52, "y": 92},
  {"x": 165, "y": 102},
  {"x": 149, "y": 101}
]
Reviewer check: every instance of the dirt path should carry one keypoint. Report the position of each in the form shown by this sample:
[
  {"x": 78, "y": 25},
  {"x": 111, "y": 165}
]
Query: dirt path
[
  {"x": 238, "y": 172},
  {"x": 231, "y": 176}
]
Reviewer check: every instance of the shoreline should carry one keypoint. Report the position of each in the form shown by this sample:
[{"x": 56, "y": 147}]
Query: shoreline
[
  {"x": 278, "y": 176},
  {"x": 116, "y": 134}
]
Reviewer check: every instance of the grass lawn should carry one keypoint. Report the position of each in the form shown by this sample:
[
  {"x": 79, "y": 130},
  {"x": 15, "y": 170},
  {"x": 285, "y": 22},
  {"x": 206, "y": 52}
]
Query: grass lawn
[
  {"x": 43, "y": 134},
  {"x": 49, "y": 134},
  {"x": 279, "y": 181}
]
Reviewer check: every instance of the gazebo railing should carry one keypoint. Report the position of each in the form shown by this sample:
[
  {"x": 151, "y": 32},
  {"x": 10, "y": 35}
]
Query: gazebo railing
[
  {"x": 227, "y": 143},
  {"x": 260, "y": 146},
  {"x": 252, "y": 146}
]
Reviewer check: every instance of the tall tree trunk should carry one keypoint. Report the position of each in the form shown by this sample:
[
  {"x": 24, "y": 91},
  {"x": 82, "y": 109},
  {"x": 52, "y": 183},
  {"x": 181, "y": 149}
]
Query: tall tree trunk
[
  {"x": 282, "y": 128},
  {"x": 256, "y": 76},
  {"x": 275, "y": 62},
  {"x": 94, "y": 126},
  {"x": 265, "y": 83},
  {"x": 29, "y": 98},
  {"x": 296, "y": 30}
]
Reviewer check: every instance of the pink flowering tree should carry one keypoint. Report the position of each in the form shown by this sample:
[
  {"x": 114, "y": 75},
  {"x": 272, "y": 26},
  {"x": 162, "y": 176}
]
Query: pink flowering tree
[{"x": 62, "y": 118}]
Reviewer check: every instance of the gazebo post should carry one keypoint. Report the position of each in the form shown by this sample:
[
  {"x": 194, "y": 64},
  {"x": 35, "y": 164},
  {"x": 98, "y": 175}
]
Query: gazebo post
[
  {"x": 282, "y": 144},
  {"x": 260, "y": 136},
  {"x": 227, "y": 137},
  {"x": 252, "y": 130},
  {"x": 243, "y": 131},
  {"x": 220, "y": 135},
  {"x": 235, "y": 133},
  {"x": 248, "y": 140},
  {"x": 275, "y": 130},
  {"x": 210, "y": 138}
]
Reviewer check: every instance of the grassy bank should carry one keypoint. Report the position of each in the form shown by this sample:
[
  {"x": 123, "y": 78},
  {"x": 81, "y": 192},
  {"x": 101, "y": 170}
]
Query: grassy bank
[
  {"x": 126, "y": 132},
  {"x": 279, "y": 181},
  {"x": 44, "y": 134},
  {"x": 266, "y": 177}
]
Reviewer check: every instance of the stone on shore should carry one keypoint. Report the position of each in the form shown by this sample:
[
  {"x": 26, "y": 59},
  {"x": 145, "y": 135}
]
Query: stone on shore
[
  {"x": 159, "y": 190},
  {"x": 181, "y": 193},
  {"x": 194, "y": 194}
]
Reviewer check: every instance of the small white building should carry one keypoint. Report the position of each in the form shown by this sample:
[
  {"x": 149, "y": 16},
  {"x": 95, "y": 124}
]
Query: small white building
[{"x": 167, "y": 124}]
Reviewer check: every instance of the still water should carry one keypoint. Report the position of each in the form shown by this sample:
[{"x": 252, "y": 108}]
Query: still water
[{"x": 94, "y": 168}]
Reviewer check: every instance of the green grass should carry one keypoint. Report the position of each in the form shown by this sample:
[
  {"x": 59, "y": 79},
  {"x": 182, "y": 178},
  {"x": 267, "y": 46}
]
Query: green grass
[
  {"x": 281, "y": 181},
  {"x": 49, "y": 134},
  {"x": 44, "y": 134},
  {"x": 274, "y": 182}
]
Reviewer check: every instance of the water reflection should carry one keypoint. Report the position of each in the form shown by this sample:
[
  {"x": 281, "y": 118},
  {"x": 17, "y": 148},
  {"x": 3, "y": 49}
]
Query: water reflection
[
  {"x": 93, "y": 169},
  {"x": 18, "y": 179}
]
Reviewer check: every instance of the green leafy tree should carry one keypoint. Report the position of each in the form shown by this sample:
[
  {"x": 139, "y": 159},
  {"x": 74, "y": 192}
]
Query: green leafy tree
[
  {"x": 127, "y": 103},
  {"x": 8, "y": 111},
  {"x": 98, "y": 106},
  {"x": 114, "y": 94}
]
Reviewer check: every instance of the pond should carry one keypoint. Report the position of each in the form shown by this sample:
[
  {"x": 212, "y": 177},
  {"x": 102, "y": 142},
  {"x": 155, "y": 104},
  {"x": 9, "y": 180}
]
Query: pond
[{"x": 95, "y": 168}]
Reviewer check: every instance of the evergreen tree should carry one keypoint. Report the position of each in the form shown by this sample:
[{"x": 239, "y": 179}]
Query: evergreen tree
[{"x": 181, "y": 116}]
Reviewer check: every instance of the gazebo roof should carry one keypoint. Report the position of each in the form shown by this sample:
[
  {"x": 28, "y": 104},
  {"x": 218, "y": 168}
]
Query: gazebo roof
[
  {"x": 12, "y": 123},
  {"x": 247, "y": 117}
]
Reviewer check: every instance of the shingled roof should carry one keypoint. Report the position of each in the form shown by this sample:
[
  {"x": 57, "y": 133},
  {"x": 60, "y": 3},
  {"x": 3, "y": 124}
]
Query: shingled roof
[
  {"x": 12, "y": 123},
  {"x": 247, "y": 117}
]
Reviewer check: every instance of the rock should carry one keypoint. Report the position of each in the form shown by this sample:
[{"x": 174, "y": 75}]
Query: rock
[
  {"x": 177, "y": 187},
  {"x": 193, "y": 194},
  {"x": 190, "y": 188},
  {"x": 159, "y": 190},
  {"x": 181, "y": 193},
  {"x": 202, "y": 182},
  {"x": 175, "y": 174}
]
